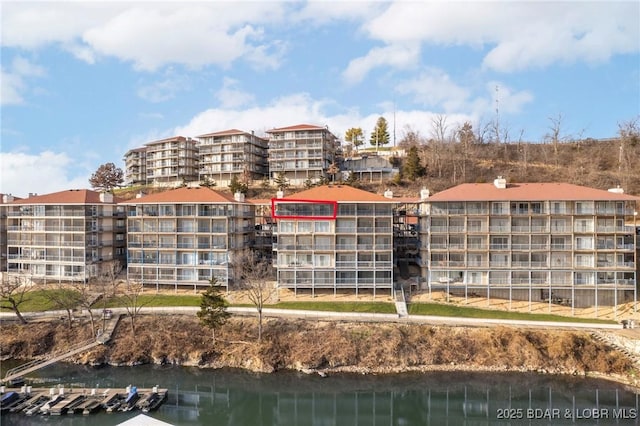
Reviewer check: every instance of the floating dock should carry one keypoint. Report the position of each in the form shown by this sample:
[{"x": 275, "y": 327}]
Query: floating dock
[{"x": 59, "y": 400}]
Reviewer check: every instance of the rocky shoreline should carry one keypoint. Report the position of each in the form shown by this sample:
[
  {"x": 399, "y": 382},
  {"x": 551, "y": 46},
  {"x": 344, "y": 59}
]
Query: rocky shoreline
[{"x": 329, "y": 347}]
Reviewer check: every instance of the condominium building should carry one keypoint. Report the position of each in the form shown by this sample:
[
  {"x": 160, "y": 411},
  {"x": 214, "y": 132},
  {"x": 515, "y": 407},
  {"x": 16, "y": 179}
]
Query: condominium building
[
  {"x": 302, "y": 152},
  {"x": 232, "y": 153},
  {"x": 334, "y": 237},
  {"x": 183, "y": 237},
  {"x": 172, "y": 161},
  {"x": 71, "y": 235},
  {"x": 553, "y": 242},
  {"x": 135, "y": 167}
]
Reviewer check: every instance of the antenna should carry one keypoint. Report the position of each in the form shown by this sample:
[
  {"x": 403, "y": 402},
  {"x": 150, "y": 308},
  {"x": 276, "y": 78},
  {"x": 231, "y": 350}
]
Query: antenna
[{"x": 497, "y": 113}]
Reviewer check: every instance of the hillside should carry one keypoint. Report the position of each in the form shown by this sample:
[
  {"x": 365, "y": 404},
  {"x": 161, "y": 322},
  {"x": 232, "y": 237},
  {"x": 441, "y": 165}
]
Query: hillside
[
  {"x": 597, "y": 164},
  {"x": 329, "y": 347}
]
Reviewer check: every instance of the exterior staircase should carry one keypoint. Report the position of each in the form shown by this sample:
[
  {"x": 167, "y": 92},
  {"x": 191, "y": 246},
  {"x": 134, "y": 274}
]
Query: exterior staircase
[
  {"x": 614, "y": 343},
  {"x": 401, "y": 303},
  {"x": 80, "y": 347}
]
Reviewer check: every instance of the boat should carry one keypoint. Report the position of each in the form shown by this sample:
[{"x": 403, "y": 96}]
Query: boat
[
  {"x": 9, "y": 400},
  {"x": 129, "y": 402},
  {"x": 25, "y": 403}
]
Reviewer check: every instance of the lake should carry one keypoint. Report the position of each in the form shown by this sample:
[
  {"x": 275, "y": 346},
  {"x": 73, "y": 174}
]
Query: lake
[{"x": 233, "y": 397}]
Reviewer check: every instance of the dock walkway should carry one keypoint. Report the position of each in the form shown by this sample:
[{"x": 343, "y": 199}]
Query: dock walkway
[{"x": 80, "y": 347}]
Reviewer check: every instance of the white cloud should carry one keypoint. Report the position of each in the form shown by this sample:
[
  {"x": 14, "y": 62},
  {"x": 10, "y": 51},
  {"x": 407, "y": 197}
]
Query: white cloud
[
  {"x": 13, "y": 80},
  {"x": 231, "y": 96},
  {"x": 11, "y": 89},
  {"x": 397, "y": 56},
  {"x": 516, "y": 35},
  {"x": 508, "y": 100},
  {"x": 302, "y": 109},
  {"x": 434, "y": 88},
  {"x": 43, "y": 173},
  {"x": 163, "y": 90},
  {"x": 149, "y": 34}
]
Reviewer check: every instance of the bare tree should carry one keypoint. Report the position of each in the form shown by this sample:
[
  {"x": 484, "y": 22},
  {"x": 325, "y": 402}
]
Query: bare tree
[
  {"x": 108, "y": 284},
  {"x": 553, "y": 136},
  {"x": 134, "y": 301},
  {"x": 629, "y": 132},
  {"x": 86, "y": 298},
  {"x": 107, "y": 177},
  {"x": 254, "y": 275},
  {"x": 63, "y": 297},
  {"x": 13, "y": 293}
]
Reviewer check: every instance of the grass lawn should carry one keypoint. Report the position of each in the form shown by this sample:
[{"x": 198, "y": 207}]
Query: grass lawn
[
  {"x": 438, "y": 309},
  {"x": 38, "y": 301},
  {"x": 361, "y": 307},
  {"x": 156, "y": 300}
]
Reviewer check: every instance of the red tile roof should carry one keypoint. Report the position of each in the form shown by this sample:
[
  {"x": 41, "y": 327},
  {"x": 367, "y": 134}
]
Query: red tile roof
[
  {"x": 224, "y": 133},
  {"x": 339, "y": 193},
  {"x": 199, "y": 195},
  {"x": 171, "y": 139},
  {"x": 297, "y": 127},
  {"x": 528, "y": 192},
  {"x": 70, "y": 196}
]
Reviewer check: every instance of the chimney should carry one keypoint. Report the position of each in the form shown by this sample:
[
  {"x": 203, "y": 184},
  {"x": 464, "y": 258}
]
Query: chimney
[
  {"x": 106, "y": 197},
  {"x": 239, "y": 197},
  {"x": 388, "y": 193},
  {"x": 140, "y": 194},
  {"x": 500, "y": 182},
  {"x": 33, "y": 194},
  {"x": 7, "y": 198},
  {"x": 424, "y": 194},
  {"x": 617, "y": 190},
  {"x": 280, "y": 194}
]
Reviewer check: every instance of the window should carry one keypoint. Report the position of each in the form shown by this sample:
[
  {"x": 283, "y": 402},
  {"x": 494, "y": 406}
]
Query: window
[
  {"x": 322, "y": 226},
  {"x": 305, "y": 226}
]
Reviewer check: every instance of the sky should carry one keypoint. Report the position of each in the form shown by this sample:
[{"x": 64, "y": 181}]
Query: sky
[{"x": 83, "y": 82}]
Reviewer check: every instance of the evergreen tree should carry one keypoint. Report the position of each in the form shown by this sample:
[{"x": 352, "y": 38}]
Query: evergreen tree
[
  {"x": 281, "y": 182},
  {"x": 236, "y": 186},
  {"x": 412, "y": 167},
  {"x": 380, "y": 135},
  {"x": 355, "y": 137},
  {"x": 213, "y": 308}
]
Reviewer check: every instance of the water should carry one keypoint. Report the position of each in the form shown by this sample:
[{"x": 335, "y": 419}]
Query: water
[{"x": 231, "y": 397}]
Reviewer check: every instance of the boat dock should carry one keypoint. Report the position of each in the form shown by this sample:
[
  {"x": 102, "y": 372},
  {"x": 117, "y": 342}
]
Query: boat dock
[{"x": 59, "y": 400}]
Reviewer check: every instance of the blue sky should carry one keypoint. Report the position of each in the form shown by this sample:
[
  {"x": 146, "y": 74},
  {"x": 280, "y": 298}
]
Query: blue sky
[{"x": 83, "y": 82}]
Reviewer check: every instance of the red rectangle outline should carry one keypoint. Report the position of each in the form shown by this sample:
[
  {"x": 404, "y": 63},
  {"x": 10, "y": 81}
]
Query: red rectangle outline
[{"x": 291, "y": 200}]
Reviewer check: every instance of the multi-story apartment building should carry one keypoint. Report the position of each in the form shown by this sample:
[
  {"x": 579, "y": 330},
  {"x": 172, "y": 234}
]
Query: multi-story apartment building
[
  {"x": 135, "y": 167},
  {"x": 172, "y": 161},
  {"x": 182, "y": 238},
  {"x": 552, "y": 242},
  {"x": 302, "y": 152},
  {"x": 334, "y": 237},
  {"x": 4, "y": 200},
  {"x": 223, "y": 155},
  {"x": 64, "y": 236}
]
